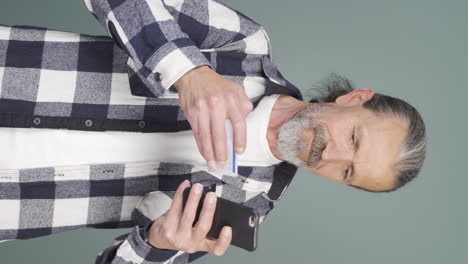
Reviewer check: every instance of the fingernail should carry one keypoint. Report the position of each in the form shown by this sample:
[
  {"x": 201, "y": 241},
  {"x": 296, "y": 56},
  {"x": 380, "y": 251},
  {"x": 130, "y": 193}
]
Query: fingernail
[
  {"x": 239, "y": 150},
  {"x": 211, "y": 164},
  {"x": 211, "y": 198},
  {"x": 221, "y": 163},
  {"x": 197, "y": 188},
  {"x": 228, "y": 232}
]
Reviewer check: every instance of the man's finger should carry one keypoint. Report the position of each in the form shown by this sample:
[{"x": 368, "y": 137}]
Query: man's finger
[
  {"x": 176, "y": 208},
  {"x": 204, "y": 135},
  {"x": 246, "y": 104},
  {"x": 197, "y": 138},
  {"x": 206, "y": 215},
  {"x": 218, "y": 132},
  {"x": 190, "y": 210},
  {"x": 239, "y": 127},
  {"x": 220, "y": 245},
  {"x": 193, "y": 120}
]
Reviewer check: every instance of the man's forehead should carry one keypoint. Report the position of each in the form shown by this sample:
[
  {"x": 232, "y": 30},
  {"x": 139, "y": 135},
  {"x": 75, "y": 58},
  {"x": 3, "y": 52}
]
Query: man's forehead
[
  {"x": 381, "y": 143},
  {"x": 377, "y": 180}
]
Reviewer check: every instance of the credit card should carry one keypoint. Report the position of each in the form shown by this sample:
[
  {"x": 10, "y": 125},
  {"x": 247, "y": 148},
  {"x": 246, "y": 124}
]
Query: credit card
[{"x": 231, "y": 164}]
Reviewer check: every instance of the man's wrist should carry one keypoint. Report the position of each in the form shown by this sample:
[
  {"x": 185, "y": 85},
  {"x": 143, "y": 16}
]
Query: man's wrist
[
  {"x": 158, "y": 255},
  {"x": 147, "y": 237},
  {"x": 187, "y": 77}
]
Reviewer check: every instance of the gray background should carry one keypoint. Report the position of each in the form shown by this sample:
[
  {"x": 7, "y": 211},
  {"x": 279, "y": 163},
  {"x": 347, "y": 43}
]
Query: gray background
[{"x": 414, "y": 49}]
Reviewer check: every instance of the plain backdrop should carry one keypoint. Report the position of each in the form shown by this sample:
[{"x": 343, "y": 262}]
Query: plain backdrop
[{"x": 413, "y": 49}]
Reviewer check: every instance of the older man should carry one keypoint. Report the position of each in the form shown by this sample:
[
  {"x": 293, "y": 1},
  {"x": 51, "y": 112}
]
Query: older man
[{"x": 176, "y": 66}]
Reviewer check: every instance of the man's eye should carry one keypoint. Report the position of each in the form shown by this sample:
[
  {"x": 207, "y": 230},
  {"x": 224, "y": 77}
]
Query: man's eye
[{"x": 346, "y": 174}]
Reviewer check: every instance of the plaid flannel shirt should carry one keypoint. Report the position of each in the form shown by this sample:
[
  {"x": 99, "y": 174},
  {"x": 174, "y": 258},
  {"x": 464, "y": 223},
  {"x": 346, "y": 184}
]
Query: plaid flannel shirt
[{"x": 60, "y": 80}]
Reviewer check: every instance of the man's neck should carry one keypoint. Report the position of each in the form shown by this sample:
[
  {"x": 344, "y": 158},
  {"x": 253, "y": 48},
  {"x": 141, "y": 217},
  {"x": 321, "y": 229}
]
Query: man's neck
[{"x": 284, "y": 109}]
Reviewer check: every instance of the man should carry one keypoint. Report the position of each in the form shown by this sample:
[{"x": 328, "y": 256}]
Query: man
[{"x": 56, "y": 80}]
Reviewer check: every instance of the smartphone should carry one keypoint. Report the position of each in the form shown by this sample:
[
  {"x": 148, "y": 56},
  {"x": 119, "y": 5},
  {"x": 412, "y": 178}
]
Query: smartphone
[{"x": 242, "y": 219}]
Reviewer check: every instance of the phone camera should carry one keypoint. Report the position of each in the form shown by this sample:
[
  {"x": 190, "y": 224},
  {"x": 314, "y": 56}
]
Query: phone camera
[{"x": 252, "y": 221}]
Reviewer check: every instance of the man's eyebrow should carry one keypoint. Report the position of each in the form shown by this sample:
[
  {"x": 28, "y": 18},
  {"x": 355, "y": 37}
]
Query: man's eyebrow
[{"x": 358, "y": 138}]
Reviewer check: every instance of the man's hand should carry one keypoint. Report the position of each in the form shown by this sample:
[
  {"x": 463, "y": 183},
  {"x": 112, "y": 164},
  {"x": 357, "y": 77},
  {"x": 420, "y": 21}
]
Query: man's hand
[
  {"x": 175, "y": 230},
  {"x": 208, "y": 99}
]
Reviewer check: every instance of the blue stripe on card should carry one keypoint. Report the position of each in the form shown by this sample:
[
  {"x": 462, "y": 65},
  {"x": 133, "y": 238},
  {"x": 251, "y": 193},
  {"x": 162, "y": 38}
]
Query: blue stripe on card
[{"x": 233, "y": 161}]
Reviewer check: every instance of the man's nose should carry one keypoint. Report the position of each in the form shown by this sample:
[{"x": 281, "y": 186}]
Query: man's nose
[{"x": 334, "y": 153}]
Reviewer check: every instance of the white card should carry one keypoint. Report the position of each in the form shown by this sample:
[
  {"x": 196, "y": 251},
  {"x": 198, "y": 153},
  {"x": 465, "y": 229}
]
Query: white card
[{"x": 231, "y": 164}]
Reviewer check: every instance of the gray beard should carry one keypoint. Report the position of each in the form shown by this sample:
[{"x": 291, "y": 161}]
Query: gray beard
[{"x": 289, "y": 143}]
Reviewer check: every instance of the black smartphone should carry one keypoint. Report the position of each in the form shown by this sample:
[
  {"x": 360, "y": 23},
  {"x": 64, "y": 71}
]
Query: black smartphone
[{"x": 242, "y": 219}]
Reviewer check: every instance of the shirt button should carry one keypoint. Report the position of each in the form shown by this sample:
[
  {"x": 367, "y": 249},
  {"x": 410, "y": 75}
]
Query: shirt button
[
  {"x": 157, "y": 76},
  {"x": 88, "y": 123},
  {"x": 36, "y": 121},
  {"x": 142, "y": 124}
]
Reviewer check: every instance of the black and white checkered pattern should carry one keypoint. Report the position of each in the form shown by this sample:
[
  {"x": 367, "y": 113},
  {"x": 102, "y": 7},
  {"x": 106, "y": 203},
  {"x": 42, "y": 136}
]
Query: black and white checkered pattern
[
  {"x": 51, "y": 79},
  {"x": 43, "y": 201},
  {"x": 167, "y": 38},
  {"x": 48, "y": 74}
]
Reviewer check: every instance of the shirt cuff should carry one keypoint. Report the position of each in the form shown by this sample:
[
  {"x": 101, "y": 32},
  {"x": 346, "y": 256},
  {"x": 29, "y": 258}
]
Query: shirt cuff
[
  {"x": 135, "y": 249},
  {"x": 172, "y": 61}
]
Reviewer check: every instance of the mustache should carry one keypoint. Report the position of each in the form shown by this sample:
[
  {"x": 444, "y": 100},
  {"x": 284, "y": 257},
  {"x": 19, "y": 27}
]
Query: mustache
[{"x": 318, "y": 145}]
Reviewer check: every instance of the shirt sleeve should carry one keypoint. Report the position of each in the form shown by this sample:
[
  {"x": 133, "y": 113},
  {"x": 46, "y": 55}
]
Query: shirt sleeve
[
  {"x": 164, "y": 39},
  {"x": 134, "y": 249}
]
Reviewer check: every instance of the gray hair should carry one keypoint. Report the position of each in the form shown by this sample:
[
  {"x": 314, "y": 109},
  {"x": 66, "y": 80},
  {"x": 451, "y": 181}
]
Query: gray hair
[{"x": 413, "y": 152}]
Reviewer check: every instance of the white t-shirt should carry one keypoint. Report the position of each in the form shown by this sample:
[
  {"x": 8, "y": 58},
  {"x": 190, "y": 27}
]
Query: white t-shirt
[{"x": 33, "y": 148}]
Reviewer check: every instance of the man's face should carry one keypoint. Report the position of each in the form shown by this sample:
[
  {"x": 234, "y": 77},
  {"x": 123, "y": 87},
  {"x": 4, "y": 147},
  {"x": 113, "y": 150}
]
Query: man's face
[{"x": 344, "y": 142}]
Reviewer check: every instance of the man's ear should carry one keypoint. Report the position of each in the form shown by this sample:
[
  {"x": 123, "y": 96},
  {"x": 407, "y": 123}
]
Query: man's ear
[{"x": 356, "y": 97}]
